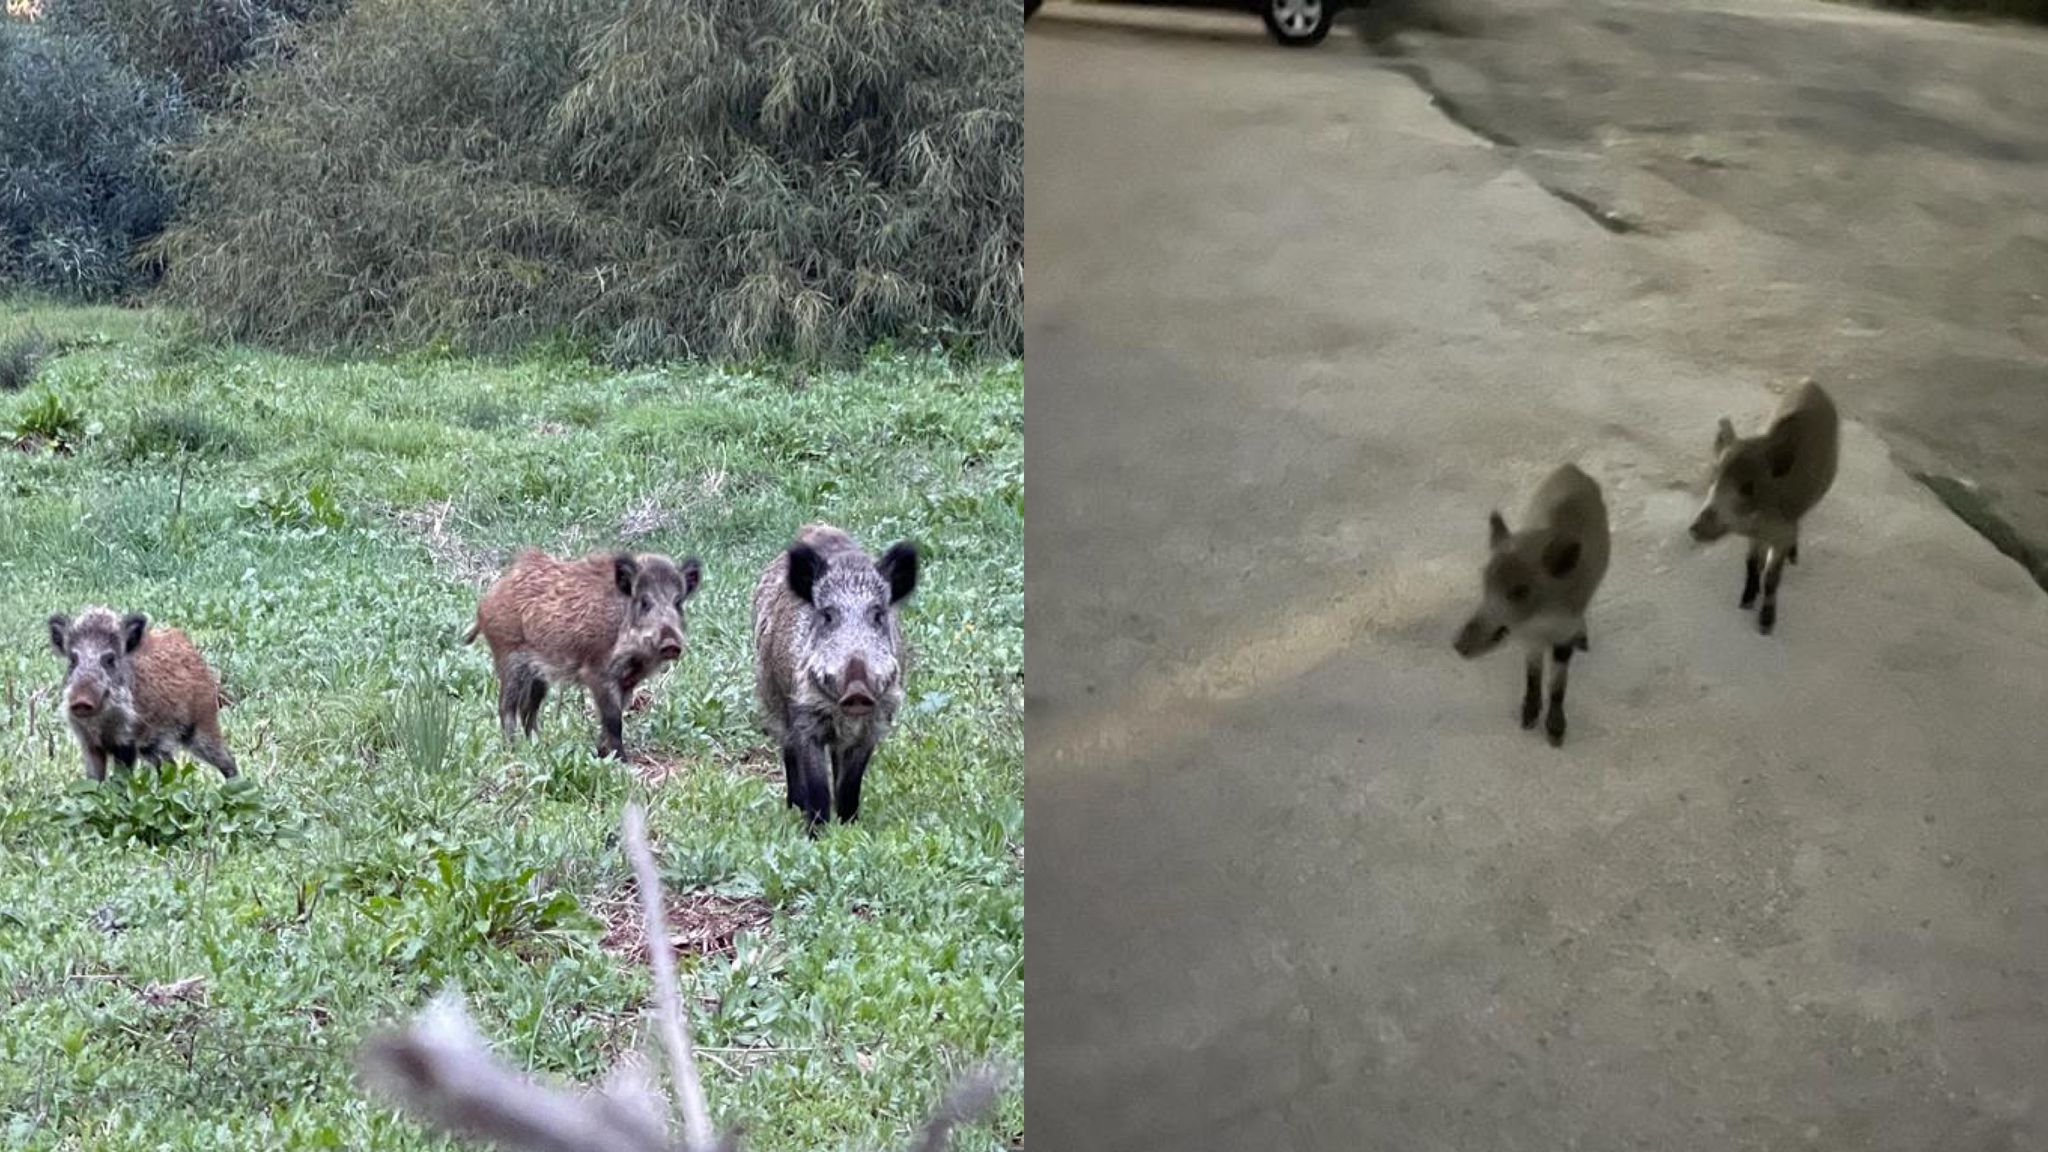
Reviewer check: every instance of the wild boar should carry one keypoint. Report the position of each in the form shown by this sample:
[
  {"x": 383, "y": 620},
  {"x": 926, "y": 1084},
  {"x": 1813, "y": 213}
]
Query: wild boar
[
  {"x": 607, "y": 621},
  {"x": 1537, "y": 583},
  {"x": 829, "y": 664},
  {"x": 1764, "y": 485},
  {"x": 136, "y": 691}
]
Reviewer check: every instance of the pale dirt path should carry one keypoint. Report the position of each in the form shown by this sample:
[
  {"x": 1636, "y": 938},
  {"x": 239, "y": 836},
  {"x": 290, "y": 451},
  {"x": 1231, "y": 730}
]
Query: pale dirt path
[{"x": 1298, "y": 879}]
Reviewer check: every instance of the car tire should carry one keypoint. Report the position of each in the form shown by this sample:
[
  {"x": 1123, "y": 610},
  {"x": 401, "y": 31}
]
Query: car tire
[{"x": 1298, "y": 23}]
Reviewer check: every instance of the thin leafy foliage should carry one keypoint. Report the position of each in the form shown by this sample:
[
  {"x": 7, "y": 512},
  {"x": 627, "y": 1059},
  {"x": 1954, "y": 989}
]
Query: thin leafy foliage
[{"x": 646, "y": 179}]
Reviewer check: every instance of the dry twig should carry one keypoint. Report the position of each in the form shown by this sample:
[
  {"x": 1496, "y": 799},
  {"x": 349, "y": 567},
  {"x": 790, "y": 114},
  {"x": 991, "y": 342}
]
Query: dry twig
[{"x": 439, "y": 1069}]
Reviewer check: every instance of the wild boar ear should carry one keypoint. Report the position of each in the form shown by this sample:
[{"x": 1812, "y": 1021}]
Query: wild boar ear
[
  {"x": 60, "y": 630},
  {"x": 693, "y": 575},
  {"x": 805, "y": 569},
  {"x": 1782, "y": 451},
  {"x": 1724, "y": 435},
  {"x": 1560, "y": 557},
  {"x": 899, "y": 567},
  {"x": 133, "y": 625},
  {"x": 1496, "y": 529},
  {"x": 625, "y": 570}
]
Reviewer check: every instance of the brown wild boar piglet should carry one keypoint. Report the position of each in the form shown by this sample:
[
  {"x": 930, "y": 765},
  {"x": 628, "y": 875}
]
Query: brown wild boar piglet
[
  {"x": 607, "y": 621},
  {"x": 1537, "y": 583},
  {"x": 1763, "y": 485},
  {"x": 136, "y": 691},
  {"x": 829, "y": 662}
]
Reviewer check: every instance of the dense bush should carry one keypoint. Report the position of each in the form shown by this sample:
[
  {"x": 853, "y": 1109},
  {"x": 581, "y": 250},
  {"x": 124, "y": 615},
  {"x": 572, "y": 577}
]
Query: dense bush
[
  {"x": 652, "y": 178},
  {"x": 79, "y": 186},
  {"x": 197, "y": 43}
]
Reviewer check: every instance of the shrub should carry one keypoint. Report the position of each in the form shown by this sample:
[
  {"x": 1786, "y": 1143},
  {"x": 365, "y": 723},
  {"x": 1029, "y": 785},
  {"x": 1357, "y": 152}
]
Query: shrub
[
  {"x": 464, "y": 900},
  {"x": 79, "y": 187},
  {"x": 652, "y": 178},
  {"x": 170, "y": 804},
  {"x": 176, "y": 431},
  {"x": 20, "y": 358},
  {"x": 48, "y": 422},
  {"x": 196, "y": 44}
]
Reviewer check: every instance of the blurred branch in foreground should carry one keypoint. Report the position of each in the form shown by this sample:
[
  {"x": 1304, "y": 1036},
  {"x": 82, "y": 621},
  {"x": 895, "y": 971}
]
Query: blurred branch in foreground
[{"x": 438, "y": 1068}]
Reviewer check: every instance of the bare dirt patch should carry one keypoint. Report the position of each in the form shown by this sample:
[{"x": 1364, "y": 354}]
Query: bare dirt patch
[
  {"x": 699, "y": 923},
  {"x": 451, "y": 553},
  {"x": 655, "y": 767}
]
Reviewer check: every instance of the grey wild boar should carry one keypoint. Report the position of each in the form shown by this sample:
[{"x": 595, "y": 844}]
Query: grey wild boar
[
  {"x": 829, "y": 662},
  {"x": 607, "y": 621},
  {"x": 1764, "y": 484},
  {"x": 1537, "y": 583},
  {"x": 135, "y": 691}
]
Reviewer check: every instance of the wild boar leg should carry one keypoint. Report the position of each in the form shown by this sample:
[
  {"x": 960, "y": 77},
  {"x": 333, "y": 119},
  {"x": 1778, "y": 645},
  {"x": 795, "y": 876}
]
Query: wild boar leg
[
  {"x": 611, "y": 715},
  {"x": 208, "y": 745},
  {"x": 809, "y": 766},
  {"x": 849, "y": 765},
  {"x": 1767, "y": 616},
  {"x": 513, "y": 677},
  {"x": 1532, "y": 691},
  {"x": 1560, "y": 674},
  {"x": 529, "y": 708},
  {"x": 1751, "y": 570}
]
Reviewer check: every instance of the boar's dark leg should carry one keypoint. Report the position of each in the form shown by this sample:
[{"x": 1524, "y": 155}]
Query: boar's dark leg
[
  {"x": 793, "y": 775},
  {"x": 1751, "y": 569},
  {"x": 95, "y": 761},
  {"x": 1560, "y": 674},
  {"x": 529, "y": 708},
  {"x": 1532, "y": 691},
  {"x": 808, "y": 764},
  {"x": 209, "y": 746},
  {"x": 611, "y": 716},
  {"x": 513, "y": 678},
  {"x": 850, "y": 765},
  {"x": 1767, "y": 615},
  {"x": 124, "y": 754}
]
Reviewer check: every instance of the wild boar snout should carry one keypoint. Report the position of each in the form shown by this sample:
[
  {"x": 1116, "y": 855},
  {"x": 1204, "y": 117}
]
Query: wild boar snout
[
  {"x": 84, "y": 699},
  {"x": 856, "y": 692},
  {"x": 1707, "y": 526},
  {"x": 1478, "y": 637}
]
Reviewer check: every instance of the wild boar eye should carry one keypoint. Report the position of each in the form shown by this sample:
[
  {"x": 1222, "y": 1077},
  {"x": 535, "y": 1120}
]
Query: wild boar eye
[
  {"x": 876, "y": 615},
  {"x": 106, "y": 659},
  {"x": 647, "y": 603},
  {"x": 679, "y": 603},
  {"x": 831, "y": 616}
]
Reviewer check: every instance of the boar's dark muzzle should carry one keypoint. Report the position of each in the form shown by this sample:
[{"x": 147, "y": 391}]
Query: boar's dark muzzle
[{"x": 856, "y": 696}]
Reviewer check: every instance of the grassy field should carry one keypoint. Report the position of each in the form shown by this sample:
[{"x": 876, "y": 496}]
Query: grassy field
[{"x": 188, "y": 965}]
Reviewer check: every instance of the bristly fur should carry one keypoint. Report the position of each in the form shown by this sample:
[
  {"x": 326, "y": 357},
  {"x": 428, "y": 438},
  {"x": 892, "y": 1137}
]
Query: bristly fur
[
  {"x": 603, "y": 621},
  {"x": 137, "y": 692},
  {"x": 829, "y": 663}
]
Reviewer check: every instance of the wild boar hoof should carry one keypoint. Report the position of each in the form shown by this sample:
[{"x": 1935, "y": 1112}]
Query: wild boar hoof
[
  {"x": 1530, "y": 711},
  {"x": 1767, "y": 619},
  {"x": 1554, "y": 730}
]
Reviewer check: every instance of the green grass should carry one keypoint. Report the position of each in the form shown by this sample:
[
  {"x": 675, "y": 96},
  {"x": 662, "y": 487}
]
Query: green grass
[{"x": 321, "y": 529}]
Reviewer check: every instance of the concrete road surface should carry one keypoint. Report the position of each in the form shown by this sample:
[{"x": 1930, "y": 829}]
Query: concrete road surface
[
  {"x": 1816, "y": 188},
  {"x": 1298, "y": 879}
]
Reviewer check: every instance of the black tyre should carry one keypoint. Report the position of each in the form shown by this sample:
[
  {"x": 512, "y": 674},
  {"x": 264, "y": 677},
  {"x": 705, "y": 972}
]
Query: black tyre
[{"x": 1298, "y": 23}]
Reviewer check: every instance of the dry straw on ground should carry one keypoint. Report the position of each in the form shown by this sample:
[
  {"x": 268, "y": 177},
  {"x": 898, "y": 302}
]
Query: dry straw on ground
[{"x": 439, "y": 1069}]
